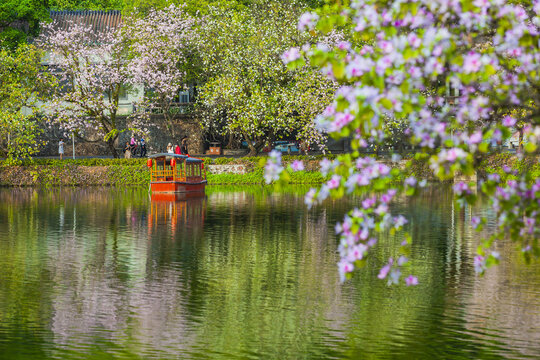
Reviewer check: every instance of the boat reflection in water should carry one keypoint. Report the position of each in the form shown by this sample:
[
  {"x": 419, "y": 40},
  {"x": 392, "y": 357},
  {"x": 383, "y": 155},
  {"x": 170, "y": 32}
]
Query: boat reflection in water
[{"x": 177, "y": 211}]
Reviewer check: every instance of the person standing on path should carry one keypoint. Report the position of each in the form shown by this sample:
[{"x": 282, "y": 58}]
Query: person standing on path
[
  {"x": 133, "y": 144},
  {"x": 143, "y": 147},
  {"x": 184, "y": 149},
  {"x": 127, "y": 150},
  {"x": 61, "y": 148}
]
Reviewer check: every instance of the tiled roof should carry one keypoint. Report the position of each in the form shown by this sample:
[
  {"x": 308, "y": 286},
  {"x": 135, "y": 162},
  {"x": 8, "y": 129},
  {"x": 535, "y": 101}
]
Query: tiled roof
[{"x": 98, "y": 20}]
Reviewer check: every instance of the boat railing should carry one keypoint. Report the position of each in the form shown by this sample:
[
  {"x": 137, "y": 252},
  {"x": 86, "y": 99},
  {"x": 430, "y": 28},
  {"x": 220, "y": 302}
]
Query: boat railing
[
  {"x": 161, "y": 175},
  {"x": 178, "y": 173}
]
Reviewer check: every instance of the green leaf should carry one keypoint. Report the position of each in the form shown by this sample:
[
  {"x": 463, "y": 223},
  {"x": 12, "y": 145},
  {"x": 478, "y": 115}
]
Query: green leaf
[
  {"x": 530, "y": 147},
  {"x": 386, "y": 103},
  {"x": 483, "y": 147}
]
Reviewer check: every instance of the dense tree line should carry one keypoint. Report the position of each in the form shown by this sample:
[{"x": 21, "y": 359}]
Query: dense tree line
[
  {"x": 231, "y": 50},
  {"x": 20, "y": 19}
]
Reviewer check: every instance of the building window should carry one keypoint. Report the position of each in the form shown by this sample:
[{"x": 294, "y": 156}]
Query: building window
[{"x": 183, "y": 97}]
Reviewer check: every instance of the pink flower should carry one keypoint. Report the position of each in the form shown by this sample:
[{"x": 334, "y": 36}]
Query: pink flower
[
  {"x": 475, "y": 138},
  {"x": 309, "y": 199},
  {"x": 297, "y": 165},
  {"x": 475, "y": 221},
  {"x": 358, "y": 252},
  {"x": 414, "y": 40},
  {"x": 479, "y": 264},
  {"x": 410, "y": 181},
  {"x": 334, "y": 182},
  {"x": 307, "y": 20},
  {"x": 402, "y": 260},
  {"x": 411, "y": 280},
  {"x": 369, "y": 202},
  {"x": 399, "y": 221},
  {"x": 290, "y": 55},
  {"x": 384, "y": 271},
  {"x": 461, "y": 188},
  {"x": 344, "y": 45},
  {"x": 508, "y": 121},
  {"x": 482, "y": 3},
  {"x": 345, "y": 267},
  {"x": 341, "y": 120},
  {"x": 471, "y": 63}
]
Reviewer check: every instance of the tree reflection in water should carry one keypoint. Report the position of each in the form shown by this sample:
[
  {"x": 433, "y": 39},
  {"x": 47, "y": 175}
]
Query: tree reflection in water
[{"x": 245, "y": 273}]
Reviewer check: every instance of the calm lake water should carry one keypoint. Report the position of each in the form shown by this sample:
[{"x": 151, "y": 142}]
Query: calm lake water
[{"x": 247, "y": 273}]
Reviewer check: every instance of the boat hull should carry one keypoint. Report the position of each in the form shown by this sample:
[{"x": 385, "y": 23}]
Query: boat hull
[{"x": 171, "y": 187}]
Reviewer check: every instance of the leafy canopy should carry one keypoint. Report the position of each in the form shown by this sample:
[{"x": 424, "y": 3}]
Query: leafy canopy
[
  {"x": 20, "y": 19},
  {"x": 23, "y": 84}
]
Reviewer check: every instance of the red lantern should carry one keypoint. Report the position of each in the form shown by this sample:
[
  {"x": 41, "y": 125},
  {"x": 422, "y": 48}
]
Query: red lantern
[
  {"x": 173, "y": 162},
  {"x": 149, "y": 163}
]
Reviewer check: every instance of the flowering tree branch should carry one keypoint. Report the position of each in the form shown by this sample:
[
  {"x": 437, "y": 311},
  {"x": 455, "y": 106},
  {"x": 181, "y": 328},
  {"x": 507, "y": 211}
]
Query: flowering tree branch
[{"x": 410, "y": 56}]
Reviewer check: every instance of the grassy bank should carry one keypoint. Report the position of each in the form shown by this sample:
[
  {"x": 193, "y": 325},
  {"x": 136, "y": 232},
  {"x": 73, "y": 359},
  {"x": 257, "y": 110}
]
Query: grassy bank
[
  {"x": 122, "y": 172},
  {"x": 257, "y": 177}
]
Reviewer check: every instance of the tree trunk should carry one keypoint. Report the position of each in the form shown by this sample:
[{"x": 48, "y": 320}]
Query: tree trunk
[
  {"x": 110, "y": 143},
  {"x": 252, "y": 149},
  {"x": 231, "y": 142},
  {"x": 520, "y": 143},
  {"x": 168, "y": 120}
]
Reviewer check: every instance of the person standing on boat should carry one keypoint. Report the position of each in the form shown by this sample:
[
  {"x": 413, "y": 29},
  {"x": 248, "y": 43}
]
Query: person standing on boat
[
  {"x": 61, "y": 148},
  {"x": 170, "y": 149},
  {"x": 177, "y": 149},
  {"x": 184, "y": 149}
]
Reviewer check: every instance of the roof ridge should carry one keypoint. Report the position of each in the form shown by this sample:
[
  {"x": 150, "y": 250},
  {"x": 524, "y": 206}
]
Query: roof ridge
[{"x": 97, "y": 20}]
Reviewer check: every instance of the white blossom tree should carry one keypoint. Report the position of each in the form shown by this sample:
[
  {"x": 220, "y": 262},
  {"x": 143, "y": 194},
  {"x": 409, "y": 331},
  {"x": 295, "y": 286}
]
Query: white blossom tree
[
  {"x": 248, "y": 91},
  {"x": 162, "y": 47},
  {"x": 93, "y": 71}
]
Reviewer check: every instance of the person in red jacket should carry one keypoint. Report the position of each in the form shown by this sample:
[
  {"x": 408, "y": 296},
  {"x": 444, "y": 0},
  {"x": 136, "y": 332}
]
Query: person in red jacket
[{"x": 177, "y": 149}]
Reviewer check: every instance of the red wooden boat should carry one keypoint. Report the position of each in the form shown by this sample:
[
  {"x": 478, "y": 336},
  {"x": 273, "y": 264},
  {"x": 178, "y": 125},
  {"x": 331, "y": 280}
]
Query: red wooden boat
[{"x": 173, "y": 173}]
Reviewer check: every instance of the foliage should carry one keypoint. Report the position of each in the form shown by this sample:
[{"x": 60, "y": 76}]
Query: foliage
[
  {"x": 405, "y": 60},
  {"x": 20, "y": 19},
  {"x": 193, "y": 7},
  {"x": 87, "y": 4},
  {"x": 200, "y": 7},
  {"x": 257, "y": 177},
  {"x": 85, "y": 162},
  {"x": 248, "y": 91},
  {"x": 22, "y": 85}
]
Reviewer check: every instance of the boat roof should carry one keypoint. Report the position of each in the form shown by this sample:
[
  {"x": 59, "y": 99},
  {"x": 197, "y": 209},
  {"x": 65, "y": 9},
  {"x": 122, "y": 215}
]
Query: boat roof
[
  {"x": 193, "y": 160},
  {"x": 169, "y": 155}
]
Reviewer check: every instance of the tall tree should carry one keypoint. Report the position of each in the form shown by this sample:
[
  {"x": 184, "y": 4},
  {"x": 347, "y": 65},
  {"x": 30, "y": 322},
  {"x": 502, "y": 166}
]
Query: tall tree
[
  {"x": 93, "y": 69},
  {"x": 248, "y": 90},
  {"x": 162, "y": 53},
  {"x": 23, "y": 86}
]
